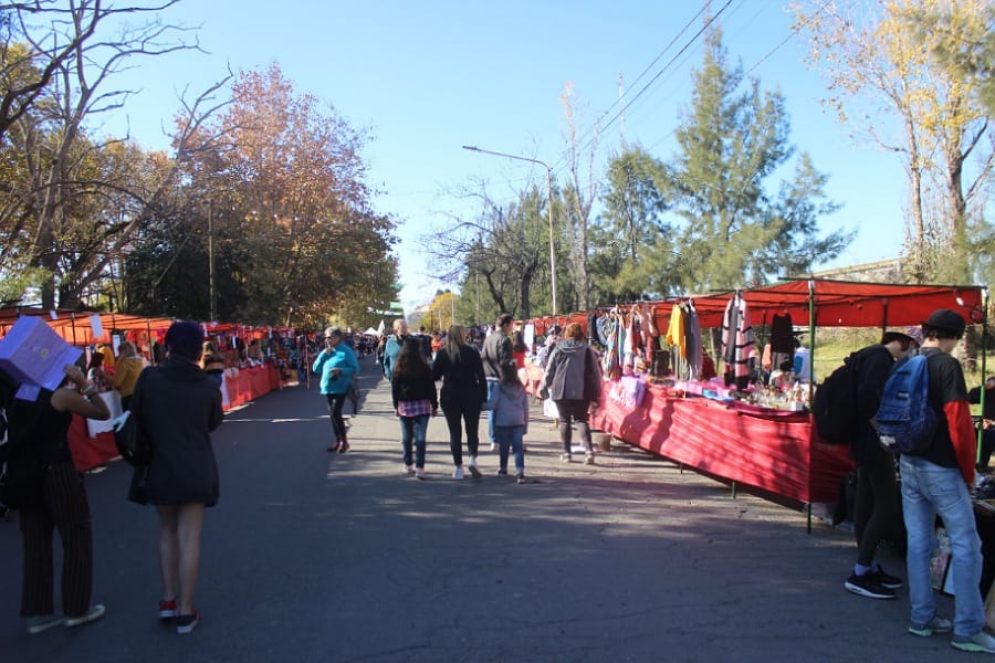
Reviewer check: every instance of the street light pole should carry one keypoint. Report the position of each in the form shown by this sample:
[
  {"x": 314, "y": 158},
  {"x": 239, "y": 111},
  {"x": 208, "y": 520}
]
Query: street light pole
[{"x": 549, "y": 204}]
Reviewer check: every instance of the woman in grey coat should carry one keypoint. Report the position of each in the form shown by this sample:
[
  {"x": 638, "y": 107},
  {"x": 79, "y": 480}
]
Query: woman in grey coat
[
  {"x": 573, "y": 379},
  {"x": 178, "y": 405}
]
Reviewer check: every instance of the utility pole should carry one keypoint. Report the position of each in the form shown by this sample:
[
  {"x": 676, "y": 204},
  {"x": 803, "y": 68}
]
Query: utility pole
[
  {"x": 549, "y": 192},
  {"x": 210, "y": 261}
]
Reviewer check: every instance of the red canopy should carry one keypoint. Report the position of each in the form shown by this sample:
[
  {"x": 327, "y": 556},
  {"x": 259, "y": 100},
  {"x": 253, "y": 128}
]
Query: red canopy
[
  {"x": 836, "y": 304},
  {"x": 847, "y": 303}
]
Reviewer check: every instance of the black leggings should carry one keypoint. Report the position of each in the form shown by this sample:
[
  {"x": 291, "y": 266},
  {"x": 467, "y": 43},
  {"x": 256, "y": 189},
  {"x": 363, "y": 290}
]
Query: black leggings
[
  {"x": 875, "y": 508},
  {"x": 335, "y": 403},
  {"x": 458, "y": 414},
  {"x": 570, "y": 411}
]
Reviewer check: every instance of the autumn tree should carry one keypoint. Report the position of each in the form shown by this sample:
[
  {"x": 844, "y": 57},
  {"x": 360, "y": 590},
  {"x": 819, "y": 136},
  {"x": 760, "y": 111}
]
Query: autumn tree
[
  {"x": 441, "y": 312},
  {"x": 284, "y": 186},
  {"x": 885, "y": 78}
]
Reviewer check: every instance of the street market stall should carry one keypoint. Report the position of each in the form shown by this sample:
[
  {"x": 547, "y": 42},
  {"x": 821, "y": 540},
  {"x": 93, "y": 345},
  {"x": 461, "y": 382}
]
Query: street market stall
[{"x": 711, "y": 426}]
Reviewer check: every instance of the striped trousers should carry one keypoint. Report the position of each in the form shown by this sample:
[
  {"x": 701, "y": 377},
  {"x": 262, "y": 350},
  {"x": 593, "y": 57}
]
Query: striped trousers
[{"x": 64, "y": 508}]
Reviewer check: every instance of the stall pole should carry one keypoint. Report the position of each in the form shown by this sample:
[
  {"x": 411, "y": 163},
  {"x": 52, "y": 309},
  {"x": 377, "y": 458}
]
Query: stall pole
[
  {"x": 984, "y": 374},
  {"x": 811, "y": 377},
  {"x": 811, "y": 339},
  {"x": 72, "y": 321},
  {"x": 148, "y": 332}
]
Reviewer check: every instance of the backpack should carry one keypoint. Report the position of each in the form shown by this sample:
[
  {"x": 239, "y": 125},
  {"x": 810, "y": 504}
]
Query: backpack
[
  {"x": 905, "y": 420},
  {"x": 834, "y": 406}
]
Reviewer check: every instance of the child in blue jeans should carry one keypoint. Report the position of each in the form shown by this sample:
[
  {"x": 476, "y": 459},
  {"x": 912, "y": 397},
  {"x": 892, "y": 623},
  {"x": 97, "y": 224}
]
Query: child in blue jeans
[{"x": 510, "y": 407}]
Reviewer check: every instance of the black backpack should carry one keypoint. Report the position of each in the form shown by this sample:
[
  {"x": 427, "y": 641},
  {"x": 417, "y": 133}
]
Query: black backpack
[{"x": 835, "y": 404}]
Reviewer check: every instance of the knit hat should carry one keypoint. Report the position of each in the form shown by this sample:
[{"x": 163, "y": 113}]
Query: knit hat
[{"x": 915, "y": 333}]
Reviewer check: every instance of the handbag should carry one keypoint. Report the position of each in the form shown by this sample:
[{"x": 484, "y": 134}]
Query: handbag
[{"x": 131, "y": 442}]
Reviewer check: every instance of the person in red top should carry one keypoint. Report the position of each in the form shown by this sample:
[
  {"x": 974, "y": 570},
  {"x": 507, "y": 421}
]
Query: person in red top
[{"x": 939, "y": 481}]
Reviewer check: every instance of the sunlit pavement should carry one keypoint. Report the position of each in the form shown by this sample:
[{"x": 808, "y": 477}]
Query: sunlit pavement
[{"x": 312, "y": 556}]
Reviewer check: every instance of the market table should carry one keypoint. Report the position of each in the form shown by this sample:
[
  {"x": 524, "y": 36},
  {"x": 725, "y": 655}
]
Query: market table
[
  {"x": 91, "y": 450},
  {"x": 777, "y": 451}
]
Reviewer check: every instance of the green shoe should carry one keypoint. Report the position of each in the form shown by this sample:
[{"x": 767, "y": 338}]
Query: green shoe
[
  {"x": 94, "y": 613},
  {"x": 980, "y": 642},
  {"x": 935, "y": 625},
  {"x": 41, "y": 623}
]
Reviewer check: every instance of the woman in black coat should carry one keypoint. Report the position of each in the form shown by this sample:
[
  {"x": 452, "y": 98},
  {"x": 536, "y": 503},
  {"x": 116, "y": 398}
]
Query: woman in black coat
[
  {"x": 464, "y": 388},
  {"x": 178, "y": 405},
  {"x": 413, "y": 393}
]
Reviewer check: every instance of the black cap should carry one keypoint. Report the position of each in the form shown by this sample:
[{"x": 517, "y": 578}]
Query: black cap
[{"x": 945, "y": 318}]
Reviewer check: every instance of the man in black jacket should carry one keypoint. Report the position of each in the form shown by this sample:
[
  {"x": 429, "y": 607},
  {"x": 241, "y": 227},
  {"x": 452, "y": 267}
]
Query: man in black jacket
[
  {"x": 497, "y": 351},
  {"x": 876, "y": 505}
]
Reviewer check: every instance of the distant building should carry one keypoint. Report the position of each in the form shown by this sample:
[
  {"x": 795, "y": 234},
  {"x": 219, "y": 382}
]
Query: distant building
[{"x": 880, "y": 271}]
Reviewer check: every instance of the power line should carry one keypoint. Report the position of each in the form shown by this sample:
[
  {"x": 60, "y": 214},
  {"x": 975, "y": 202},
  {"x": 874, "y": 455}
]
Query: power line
[
  {"x": 662, "y": 71},
  {"x": 673, "y": 41},
  {"x": 792, "y": 33}
]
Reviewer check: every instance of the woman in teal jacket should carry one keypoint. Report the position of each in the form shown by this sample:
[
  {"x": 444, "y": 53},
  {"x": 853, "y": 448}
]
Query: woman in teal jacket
[{"x": 337, "y": 366}]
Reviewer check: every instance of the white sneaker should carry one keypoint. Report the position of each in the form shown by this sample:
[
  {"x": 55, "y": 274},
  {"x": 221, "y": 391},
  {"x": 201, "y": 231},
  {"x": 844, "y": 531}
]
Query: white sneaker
[
  {"x": 458, "y": 474},
  {"x": 92, "y": 614},
  {"x": 474, "y": 472}
]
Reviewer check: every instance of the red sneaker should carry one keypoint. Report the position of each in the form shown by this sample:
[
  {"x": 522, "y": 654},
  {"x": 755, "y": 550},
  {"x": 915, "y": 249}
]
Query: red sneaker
[{"x": 168, "y": 609}]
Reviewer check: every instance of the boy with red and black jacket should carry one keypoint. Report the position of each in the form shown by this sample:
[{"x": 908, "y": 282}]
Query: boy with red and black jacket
[{"x": 938, "y": 481}]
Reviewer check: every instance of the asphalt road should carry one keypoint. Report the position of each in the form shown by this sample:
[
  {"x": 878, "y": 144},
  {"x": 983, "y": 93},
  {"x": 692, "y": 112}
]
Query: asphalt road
[{"x": 311, "y": 556}]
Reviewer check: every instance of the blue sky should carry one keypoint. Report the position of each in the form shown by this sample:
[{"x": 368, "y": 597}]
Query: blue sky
[{"x": 426, "y": 78}]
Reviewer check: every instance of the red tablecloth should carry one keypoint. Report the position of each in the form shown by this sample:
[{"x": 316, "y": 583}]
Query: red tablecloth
[
  {"x": 776, "y": 451},
  {"x": 251, "y": 383},
  {"x": 89, "y": 451},
  {"x": 248, "y": 385}
]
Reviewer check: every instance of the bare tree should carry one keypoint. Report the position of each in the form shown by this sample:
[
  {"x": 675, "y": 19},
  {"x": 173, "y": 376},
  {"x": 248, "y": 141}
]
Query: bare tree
[
  {"x": 72, "y": 63},
  {"x": 579, "y": 196},
  {"x": 505, "y": 246}
]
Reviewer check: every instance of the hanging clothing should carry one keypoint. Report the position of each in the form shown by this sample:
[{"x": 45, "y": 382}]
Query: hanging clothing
[
  {"x": 737, "y": 342},
  {"x": 692, "y": 331},
  {"x": 675, "y": 332},
  {"x": 647, "y": 333},
  {"x": 611, "y": 363},
  {"x": 782, "y": 342}
]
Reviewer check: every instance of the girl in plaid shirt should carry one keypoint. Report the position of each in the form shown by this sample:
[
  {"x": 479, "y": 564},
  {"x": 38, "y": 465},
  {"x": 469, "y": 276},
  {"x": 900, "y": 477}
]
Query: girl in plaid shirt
[{"x": 415, "y": 399}]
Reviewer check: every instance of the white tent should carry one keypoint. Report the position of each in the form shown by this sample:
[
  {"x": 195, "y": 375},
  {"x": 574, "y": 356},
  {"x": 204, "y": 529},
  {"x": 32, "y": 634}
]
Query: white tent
[{"x": 371, "y": 332}]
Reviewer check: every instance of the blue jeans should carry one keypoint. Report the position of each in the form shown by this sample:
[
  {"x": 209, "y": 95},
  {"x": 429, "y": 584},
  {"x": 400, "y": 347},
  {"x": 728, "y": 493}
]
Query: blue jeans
[
  {"x": 511, "y": 437},
  {"x": 928, "y": 490},
  {"x": 413, "y": 430},
  {"x": 492, "y": 385}
]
